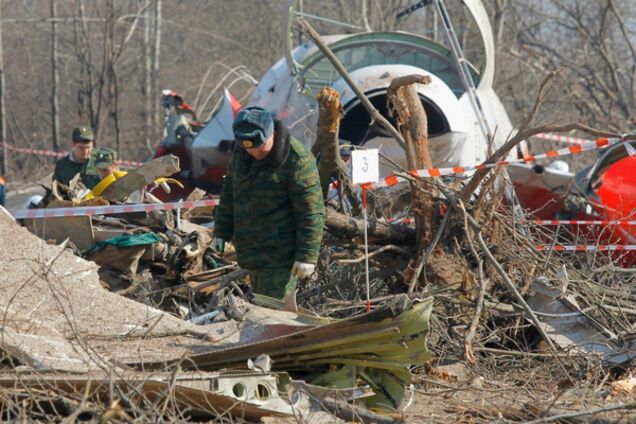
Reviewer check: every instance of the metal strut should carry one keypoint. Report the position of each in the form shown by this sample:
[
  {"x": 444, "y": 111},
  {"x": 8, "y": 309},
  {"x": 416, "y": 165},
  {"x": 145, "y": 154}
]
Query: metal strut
[{"x": 462, "y": 65}]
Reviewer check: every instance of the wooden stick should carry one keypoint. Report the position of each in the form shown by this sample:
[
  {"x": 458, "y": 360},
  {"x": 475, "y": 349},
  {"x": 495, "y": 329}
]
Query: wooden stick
[
  {"x": 472, "y": 329},
  {"x": 345, "y": 226},
  {"x": 375, "y": 252},
  {"x": 558, "y": 417}
]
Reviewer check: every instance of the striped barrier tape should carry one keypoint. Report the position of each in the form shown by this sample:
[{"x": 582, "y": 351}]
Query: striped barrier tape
[
  {"x": 577, "y": 222},
  {"x": 404, "y": 220},
  {"x": 108, "y": 210},
  {"x": 592, "y": 248},
  {"x": 129, "y": 163},
  {"x": 42, "y": 152},
  {"x": 39, "y": 152},
  {"x": 562, "y": 138},
  {"x": 600, "y": 143}
]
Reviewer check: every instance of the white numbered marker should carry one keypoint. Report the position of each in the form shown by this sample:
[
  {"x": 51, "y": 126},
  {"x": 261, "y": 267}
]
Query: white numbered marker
[{"x": 365, "y": 166}]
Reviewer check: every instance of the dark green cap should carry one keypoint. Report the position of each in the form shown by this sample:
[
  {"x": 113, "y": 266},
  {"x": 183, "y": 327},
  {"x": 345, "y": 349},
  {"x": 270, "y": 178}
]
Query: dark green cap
[
  {"x": 104, "y": 157},
  {"x": 253, "y": 126},
  {"x": 83, "y": 134}
]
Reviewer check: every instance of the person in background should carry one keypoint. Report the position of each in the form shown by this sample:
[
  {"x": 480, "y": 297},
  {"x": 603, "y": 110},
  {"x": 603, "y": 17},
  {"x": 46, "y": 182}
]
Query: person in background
[
  {"x": 79, "y": 160},
  {"x": 271, "y": 206},
  {"x": 105, "y": 161}
]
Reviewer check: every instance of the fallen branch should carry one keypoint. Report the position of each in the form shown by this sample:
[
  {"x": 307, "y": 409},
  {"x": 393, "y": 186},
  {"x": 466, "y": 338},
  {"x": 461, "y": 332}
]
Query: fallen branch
[
  {"x": 221, "y": 281},
  {"x": 388, "y": 247},
  {"x": 472, "y": 329},
  {"x": 345, "y": 226},
  {"x": 554, "y": 418},
  {"x": 350, "y": 413},
  {"x": 429, "y": 250},
  {"x": 454, "y": 202}
]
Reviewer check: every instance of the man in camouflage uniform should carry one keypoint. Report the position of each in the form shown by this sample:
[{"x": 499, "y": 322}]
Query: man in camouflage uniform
[
  {"x": 271, "y": 206},
  {"x": 79, "y": 160}
]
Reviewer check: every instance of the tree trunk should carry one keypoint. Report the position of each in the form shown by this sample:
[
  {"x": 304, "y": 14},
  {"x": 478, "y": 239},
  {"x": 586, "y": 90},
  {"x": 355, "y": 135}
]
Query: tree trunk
[
  {"x": 406, "y": 104},
  {"x": 331, "y": 165},
  {"x": 414, "y": 126},
  {"x": 55, "y": 79},
  {"x": 155, "y": 66},
  {"x": 342, "y": 225},
  {"x": 3, "y": 115},
  {"x": 113, "y": 88},
  {"x": 147, "y": 79}
]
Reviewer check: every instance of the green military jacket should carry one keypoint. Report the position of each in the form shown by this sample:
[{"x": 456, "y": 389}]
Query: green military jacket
[
  {"x": 66, "y": 169},
  {"x": 272, "y": 208}
]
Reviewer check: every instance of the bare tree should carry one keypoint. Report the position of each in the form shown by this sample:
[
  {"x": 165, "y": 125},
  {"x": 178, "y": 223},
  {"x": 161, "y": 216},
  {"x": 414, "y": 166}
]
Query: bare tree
[
  {"x": 591, "y": 40},
  {"x": 155, "y": 63},
  {"x": 146, "y": 88},
  {"x": 55, "y": 79},
  {"x": 3, "y": 119}
]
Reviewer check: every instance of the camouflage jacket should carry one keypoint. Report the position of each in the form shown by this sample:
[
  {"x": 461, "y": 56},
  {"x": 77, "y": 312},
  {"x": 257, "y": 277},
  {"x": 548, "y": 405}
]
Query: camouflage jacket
[
  {"x": 66, "y": 169},
  {"x": 272, "y": 208}
]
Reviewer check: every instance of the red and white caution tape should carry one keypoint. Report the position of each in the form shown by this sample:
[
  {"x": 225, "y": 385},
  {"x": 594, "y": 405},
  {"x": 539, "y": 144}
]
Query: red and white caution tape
[
  {"x": 562, "y": 138},
  {"x": 549, "y": 222},
  {"x": 41, "y": 152},
  {"x": 129, "y": 163},
  {"x": 108, "y": 210},
  {"x": 592, "y": 248},
  {"x": 404, "y": 220},
  {"x": 600, "y": 143}
]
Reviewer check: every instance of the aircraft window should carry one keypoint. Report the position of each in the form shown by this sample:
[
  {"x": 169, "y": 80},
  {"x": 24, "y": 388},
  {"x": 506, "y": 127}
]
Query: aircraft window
[{"x": 359, "y": 53}]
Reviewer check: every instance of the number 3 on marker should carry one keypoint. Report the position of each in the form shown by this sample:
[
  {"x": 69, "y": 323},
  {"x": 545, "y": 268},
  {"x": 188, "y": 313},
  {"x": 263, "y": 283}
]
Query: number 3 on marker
[{"x": 364, "y": 166}]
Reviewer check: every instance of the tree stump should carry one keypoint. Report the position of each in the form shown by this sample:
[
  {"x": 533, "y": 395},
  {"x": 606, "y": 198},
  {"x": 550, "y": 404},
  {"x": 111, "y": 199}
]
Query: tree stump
[
  {"x": 412, "y": 122},
  {"x": 331, "y": 166}
]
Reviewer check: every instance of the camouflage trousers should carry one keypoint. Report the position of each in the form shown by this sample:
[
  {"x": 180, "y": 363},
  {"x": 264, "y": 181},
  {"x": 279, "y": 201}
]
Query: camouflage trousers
[{"x": 273, "y": 282}]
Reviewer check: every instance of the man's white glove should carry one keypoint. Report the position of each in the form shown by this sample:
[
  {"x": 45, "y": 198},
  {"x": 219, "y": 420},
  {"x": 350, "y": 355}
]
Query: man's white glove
[
  {"x": 218, "y": 244},
  {"x": 303, "y": 269}
]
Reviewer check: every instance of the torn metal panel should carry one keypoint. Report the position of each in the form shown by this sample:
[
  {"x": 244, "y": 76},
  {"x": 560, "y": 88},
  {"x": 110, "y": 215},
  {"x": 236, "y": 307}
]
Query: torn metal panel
[
  {"x": 63, "y": 293},
  {"x": 570, "y": 328},
  {"x": 257, "y": 388},
  {"x": 346, "y": 394},
  {"x": 202, "y": 395},
  {"x": 139, "y": 178},
  {"x": 379, "y": 347},
  {"x": 396, "y": 322},
  {"x": 76, "y": 228}
]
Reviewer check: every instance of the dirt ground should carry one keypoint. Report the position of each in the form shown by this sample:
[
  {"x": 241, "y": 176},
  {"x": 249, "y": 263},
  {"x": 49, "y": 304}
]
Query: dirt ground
[{"x": 518, "y": 390}]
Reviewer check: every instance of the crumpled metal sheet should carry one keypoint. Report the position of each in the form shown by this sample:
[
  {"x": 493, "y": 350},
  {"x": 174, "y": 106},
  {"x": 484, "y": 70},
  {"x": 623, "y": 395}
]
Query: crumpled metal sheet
[
  {"x": 202, "y": 395},
  {"x": 379, "y": 347},
  {"x": 571, "y": 329}
]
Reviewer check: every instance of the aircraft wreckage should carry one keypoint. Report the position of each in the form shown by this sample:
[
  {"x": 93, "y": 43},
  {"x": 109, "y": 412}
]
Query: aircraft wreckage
[{"x": 101, "y": 329}]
